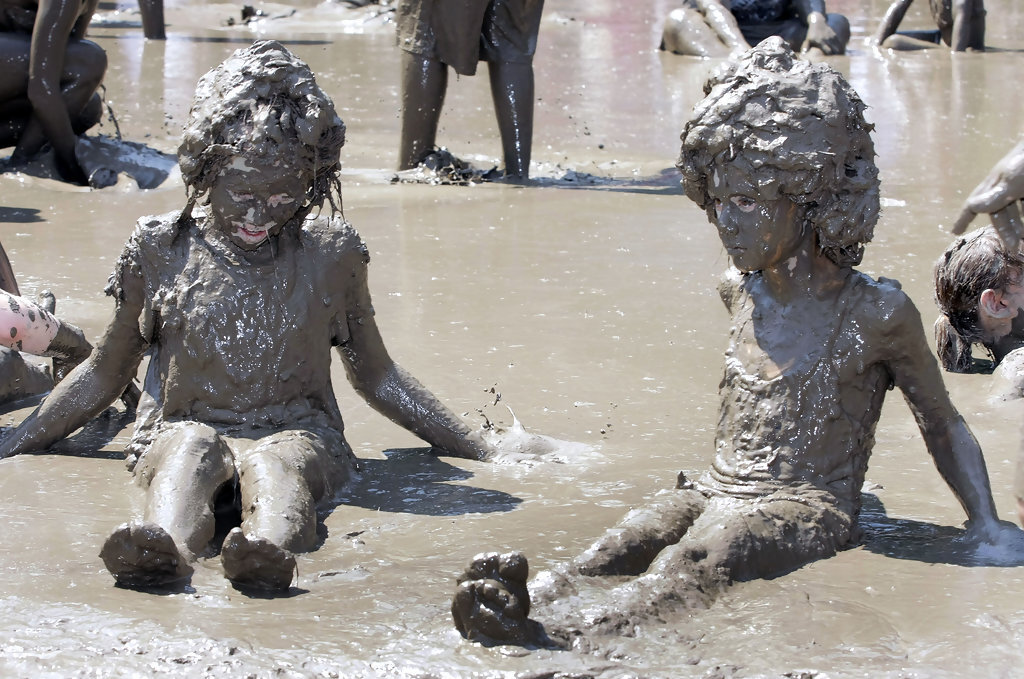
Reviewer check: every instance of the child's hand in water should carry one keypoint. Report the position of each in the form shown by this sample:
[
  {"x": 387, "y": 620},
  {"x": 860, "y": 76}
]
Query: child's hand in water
[{"x": 513, "y": 444}]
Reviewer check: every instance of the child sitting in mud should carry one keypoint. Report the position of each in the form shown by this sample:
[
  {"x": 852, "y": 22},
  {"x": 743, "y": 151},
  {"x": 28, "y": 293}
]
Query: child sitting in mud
[
  {"x": 781, "y": 158},
  {"x": 238, "y": 302}
]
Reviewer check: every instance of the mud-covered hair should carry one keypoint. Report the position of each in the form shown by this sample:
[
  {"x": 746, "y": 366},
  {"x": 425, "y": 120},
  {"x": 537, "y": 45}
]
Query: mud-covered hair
[
  {"x": 797, "y": 129},
  {"x": 972, "y": 264},
  {"x": 263, "y": 101}
]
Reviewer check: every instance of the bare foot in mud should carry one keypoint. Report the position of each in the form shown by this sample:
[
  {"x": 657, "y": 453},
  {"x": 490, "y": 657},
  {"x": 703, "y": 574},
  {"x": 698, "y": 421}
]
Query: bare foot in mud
[
  {"x": 492, "y": 602},
  {"x": 141, "y": 555},
  {"x": 256, "y": 563}
]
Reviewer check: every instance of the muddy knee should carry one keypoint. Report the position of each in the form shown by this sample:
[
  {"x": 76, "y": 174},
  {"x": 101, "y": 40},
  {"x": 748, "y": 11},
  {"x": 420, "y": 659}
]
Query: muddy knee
[{"x": 84, "y": 66}]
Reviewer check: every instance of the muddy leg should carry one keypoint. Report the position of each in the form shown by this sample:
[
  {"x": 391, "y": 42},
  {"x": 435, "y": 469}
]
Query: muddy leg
[
  {"x": 512, "y": 90},
  {"x": 281, "y": 480},
  {"x": 686, "y": 32},
  {"x": 631, "y": 546},
  {"x": 732, "y": 540},
  {"x": 153, "y": 19},
  {"x": 424, "y": 82},
  {"x": 182, "y": 471},
  {"x": 19, "y": 378}
]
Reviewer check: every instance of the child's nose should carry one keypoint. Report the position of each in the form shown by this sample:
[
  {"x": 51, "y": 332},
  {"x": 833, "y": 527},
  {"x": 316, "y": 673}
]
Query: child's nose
[{"x": 727, "y": 218}]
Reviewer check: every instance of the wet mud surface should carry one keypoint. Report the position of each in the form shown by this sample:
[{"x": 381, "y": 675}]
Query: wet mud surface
[{"x": 588, "y": 301}]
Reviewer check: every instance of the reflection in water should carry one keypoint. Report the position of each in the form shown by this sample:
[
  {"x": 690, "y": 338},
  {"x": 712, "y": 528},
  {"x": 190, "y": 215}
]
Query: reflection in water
[{"x": 593, "y": 312}]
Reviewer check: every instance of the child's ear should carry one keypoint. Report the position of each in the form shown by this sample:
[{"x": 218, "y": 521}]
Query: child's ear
[{"x": 993, "y": 305}]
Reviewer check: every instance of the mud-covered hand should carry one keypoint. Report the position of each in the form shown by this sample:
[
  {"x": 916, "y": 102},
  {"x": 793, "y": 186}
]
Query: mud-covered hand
[
  {"x": 998, "y": 195},
  {"x": 513, "y": 444},
  {"x": 820, "y": 35}
]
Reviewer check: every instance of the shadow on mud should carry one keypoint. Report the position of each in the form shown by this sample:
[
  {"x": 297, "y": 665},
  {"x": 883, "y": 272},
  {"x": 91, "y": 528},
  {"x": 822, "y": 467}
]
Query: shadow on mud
[
  {"x": 413, "y": 481},
  {"x": 928, "y": 542}
]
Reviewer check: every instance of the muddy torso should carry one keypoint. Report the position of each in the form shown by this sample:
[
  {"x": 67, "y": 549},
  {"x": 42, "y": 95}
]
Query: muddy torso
[
  {"x": 804, "y": 424},
  {"x": 246, "y": 343},
  {"x": 748, "y": 12}
]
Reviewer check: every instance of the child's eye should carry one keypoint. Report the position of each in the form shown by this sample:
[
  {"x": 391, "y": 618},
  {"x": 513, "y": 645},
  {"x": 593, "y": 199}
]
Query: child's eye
[
  {"x": 744, "y": 203},
  {"x": 240, "y": 197}
]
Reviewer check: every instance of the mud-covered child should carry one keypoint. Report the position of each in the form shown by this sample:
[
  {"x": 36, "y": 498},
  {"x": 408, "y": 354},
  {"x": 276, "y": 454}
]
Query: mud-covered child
[
  {"x": 780, "y": 157},
  {"x": 239, "y": 302}
]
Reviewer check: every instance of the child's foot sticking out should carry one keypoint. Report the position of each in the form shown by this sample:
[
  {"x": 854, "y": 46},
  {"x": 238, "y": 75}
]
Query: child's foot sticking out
[
  {"x": 256, "y": 563},
  {"x": 141, "y": 555},
  {"x": 492, "y": 602}
]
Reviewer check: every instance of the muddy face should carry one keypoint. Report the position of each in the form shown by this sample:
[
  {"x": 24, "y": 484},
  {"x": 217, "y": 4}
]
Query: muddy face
[
  {"x": 249, "y": 207},
  {"x": 758, "y": 233}
]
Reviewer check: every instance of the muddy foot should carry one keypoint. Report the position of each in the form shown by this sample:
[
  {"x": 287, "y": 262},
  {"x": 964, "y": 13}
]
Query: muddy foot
[
  {"x": 492, "y": 602},
  {"x": 256, "y": 563},
  {"x": 143, "y": 555}
]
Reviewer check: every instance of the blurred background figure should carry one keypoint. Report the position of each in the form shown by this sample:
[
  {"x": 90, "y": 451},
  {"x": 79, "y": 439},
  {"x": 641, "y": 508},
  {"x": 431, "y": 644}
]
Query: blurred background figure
[
  {"x": 48, "y": 86},
  {"x": 960, "y": 24},
  {"x": 437, "y": 34},
  {"x": 720, "y": 28}
]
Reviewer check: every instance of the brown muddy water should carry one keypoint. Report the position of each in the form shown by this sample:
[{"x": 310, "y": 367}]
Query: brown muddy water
[{"x": 588, "y": 302}]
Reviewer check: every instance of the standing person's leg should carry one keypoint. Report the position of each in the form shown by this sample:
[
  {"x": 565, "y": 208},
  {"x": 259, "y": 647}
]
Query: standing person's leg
[
  {"x": 424, "y": 82},
  {"x": 153, "y": 19},
  {"x": 508, "y": 40},
  {"x": 181, "y": 471},
  {"x": 282, "y": 478},
  {"x": 512, "y": 89}
]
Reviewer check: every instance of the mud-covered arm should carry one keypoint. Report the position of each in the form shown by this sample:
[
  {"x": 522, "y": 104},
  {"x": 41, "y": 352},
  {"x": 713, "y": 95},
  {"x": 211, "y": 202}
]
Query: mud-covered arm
[
  {"x": 90, "y": 387},
  {"x": 718, "y": 16},
  {"x": 998, "y": 195},
  {"x": 953, "y": 448},
  {"x": 819, "y": 33},
  {"x": 891, "y": 21},
  {"x": 81, "y": 26},
  {"x": 392, "y": 391}
]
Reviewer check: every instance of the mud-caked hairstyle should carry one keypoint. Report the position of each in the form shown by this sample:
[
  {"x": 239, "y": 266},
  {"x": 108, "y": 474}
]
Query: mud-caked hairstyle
[
  {"x": 263, "y": 102},
  {"x": 973, "y": 263},
  {"x": 796, "y": 129}
]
